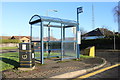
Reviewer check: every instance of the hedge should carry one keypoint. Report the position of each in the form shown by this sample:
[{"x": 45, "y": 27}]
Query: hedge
[
  {"x": 10, "y": 41},
  {"x": 105, "y": 43}
]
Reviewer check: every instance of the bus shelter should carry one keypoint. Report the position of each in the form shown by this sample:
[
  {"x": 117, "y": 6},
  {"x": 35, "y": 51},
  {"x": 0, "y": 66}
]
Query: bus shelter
[{"x": 54, "y": 37}]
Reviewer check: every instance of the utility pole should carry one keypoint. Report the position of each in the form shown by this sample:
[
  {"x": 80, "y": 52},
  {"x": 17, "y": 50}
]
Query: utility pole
[{"x": 114, "y": 40}]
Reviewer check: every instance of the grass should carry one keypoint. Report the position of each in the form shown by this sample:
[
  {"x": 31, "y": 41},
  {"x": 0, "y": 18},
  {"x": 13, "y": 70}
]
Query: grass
[
  {"x": 11, "y": 60},
  {"x": 85, "y": 56},
  {"x": 62, "y": 61},
  {"x": 82, "y": 57},
  {"x": 37, "y": 54},
  {"x": 6, "y": 48}
]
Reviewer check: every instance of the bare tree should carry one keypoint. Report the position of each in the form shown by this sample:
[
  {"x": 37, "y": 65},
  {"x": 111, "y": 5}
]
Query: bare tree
[
  {"x": 116, "y": 11},
  {"x": 82, "y": 30}
]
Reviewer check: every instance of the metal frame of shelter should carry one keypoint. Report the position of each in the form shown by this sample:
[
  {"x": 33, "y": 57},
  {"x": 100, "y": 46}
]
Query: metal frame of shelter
[{"x": 39, "y": 20}]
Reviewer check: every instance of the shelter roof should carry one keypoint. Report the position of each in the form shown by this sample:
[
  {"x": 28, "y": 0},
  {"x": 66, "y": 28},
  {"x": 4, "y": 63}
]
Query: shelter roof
[{"x": 36, "y": 19}]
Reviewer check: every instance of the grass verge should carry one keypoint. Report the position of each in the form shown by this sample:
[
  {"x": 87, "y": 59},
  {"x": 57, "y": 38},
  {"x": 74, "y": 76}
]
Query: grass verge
[
  {"x": 6, "y": 48},
  {"x": 85, "y": 56},
  {"x": 11, "y": 60},
  {"x": 82, "y": 57}
]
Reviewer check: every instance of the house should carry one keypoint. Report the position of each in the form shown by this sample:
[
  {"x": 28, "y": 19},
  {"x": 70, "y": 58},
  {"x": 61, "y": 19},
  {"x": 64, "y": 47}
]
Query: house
[
  {"x": 44, "y": 39},
  {"x": 51, "y": 38},
  {"x": 97, "y": 33},
  {"x": 24, "y": 39},
  {"x": 5, "y": 37},
  {"x": 70, "y": 38}
]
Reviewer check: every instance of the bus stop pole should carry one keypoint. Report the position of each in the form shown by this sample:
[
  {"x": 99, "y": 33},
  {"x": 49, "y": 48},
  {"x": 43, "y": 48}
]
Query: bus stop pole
[
  {"x": 79, "y": 10},
  {"x": 78, "y": 47}
]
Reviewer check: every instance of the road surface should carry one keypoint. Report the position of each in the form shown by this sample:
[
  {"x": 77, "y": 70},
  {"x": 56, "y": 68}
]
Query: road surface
[{"x": 111, "y": 71}]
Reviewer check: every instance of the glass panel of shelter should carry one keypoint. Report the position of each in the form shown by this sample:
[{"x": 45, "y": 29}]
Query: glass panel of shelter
[
  {"x": 52, "y": 37},
  {"x": 69, "y": 44},
  {"x": 53, "y": 41},
  {"x": 35, "y": 33}
]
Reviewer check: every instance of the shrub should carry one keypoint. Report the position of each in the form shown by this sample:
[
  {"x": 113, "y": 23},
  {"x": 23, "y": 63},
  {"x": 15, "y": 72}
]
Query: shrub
[
  {"x": 105, "y": 43},
  {"x": 10, "y": 41}
]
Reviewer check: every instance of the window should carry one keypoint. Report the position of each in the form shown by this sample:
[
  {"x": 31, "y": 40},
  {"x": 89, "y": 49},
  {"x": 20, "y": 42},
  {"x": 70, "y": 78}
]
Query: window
[{"x": 23, "y": 40}]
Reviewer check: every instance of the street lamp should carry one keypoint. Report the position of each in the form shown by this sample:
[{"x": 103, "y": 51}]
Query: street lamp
[
  {"x": 47, "y": 15},
  {"x": 48, "y": 47},
  {"x": 50, "y": 10},
  {"x": 79, "y": 10}
]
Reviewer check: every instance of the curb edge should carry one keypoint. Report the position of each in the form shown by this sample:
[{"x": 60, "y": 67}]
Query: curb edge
[{"x": 79, "y": 72}]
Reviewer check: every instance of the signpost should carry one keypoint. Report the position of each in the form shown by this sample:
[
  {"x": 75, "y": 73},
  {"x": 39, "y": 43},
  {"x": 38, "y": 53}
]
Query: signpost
[{"x": 79, "y": 10}]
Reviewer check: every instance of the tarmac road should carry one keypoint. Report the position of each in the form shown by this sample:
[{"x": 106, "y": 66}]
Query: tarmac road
[
  {"x": 110, "y": 74},
  {"x": 7, "y": 51},
  {"x": 112, "y": 58}
]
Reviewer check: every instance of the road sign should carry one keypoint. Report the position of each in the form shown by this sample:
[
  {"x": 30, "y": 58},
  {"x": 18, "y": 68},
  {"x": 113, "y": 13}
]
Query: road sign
[{"x": 79, "y": 10}]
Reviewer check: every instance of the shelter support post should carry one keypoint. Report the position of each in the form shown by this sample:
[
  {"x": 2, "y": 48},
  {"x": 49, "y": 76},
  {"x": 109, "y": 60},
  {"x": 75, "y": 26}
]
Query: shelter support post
[
  {"x": 42, "y": 44},
  {"x": 61, "y": 42},
  {"x": 31, "y": 33},
  {"x": 48, "y": 42},
  {"x": 63, "y": 33}
]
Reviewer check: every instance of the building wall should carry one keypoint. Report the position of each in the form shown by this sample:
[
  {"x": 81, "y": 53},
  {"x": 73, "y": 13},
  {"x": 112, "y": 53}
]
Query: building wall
[
  {"x": 25, "y": 40},
  {"x": 9, "y": 45},
  {"x": 92, "y": 37}
]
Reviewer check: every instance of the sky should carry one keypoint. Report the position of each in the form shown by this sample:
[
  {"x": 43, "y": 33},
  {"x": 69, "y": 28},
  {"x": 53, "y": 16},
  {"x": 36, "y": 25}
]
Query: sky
[{"x": 16, "y": 15}]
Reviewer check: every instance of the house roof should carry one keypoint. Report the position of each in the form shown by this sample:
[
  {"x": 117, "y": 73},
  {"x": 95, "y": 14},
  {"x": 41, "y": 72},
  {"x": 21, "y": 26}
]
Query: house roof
[
  {"x": 99, "y": 32},
  {"x": 19, "y": 37},
  {"x": 106, "y": 32},
  {"x": 5, "y": 37},
  {"x": 70, "y": 38},
  {"x": 51, "y": 38},
  {"x": 95, "y": 32}
]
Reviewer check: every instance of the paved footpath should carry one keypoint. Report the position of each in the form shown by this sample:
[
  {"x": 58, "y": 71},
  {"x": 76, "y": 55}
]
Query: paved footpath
[
  {"x": 57, "y": 69},
  {"x": 8, "y": 50}
]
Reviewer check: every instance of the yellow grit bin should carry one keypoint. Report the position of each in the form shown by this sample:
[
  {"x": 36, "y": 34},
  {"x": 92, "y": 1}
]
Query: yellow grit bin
[{"x": 90, "y": 51}]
